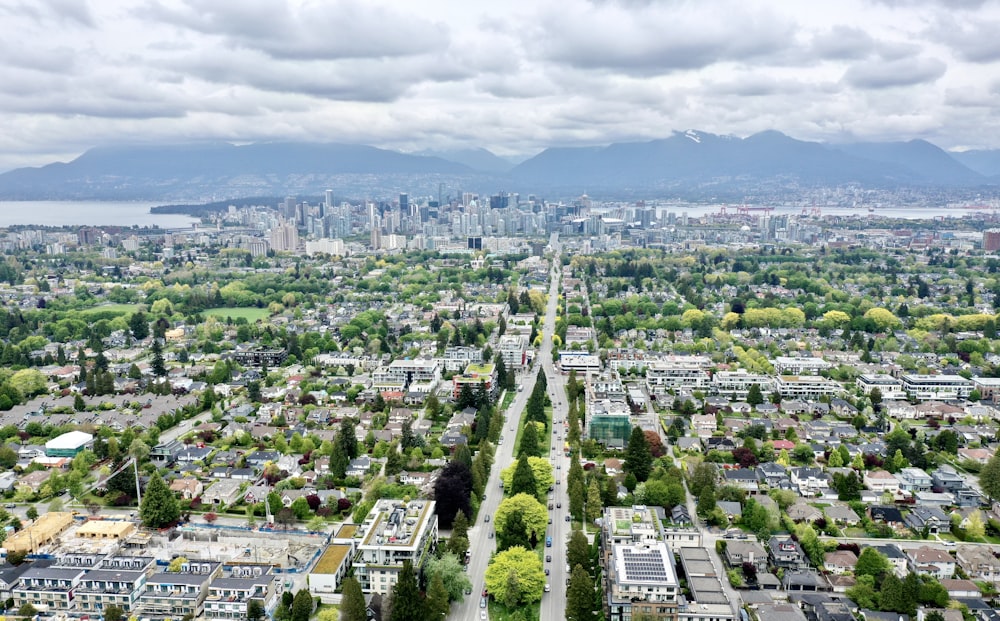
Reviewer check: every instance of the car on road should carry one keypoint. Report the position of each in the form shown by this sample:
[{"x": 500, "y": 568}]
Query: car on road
[
  {"x": 546, "y": 571},
  {"x": 482, "y": 602},
  {"x": 558, "y": 505},
  {"x": 547, "y": 587},
  {"x": 548, "y": 558},
  {"x": 567, "y": 518},
  {"x": 550, "y": 520},
  {"x": 10, "y": 505},
  {"x": 487, "y": 518},
  {"x": 482, "y": 615}
]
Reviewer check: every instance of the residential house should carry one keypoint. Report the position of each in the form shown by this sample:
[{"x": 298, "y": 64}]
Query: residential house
[
  {"x": 897, "y": 560},
  {"x": 887, "y": 515},
  {"x": 842, "y": 514},
  {"x": 978, "y": 563},
  {"x": 961, "y": 589},
  {"x": 800, "y": 511},
  {"x": 914, "y": 480},
  {"x": 739, "y": 551},
  {"x": 786, "y": 553},
  {"x": 881, "y": 481},
  {"x": 224, "y": 492},
  {"x": 930, "y": 561},
  {"x": 931, "y": 519},
  {"x": 810, "y": 481},
  {"x": 732, "y": 509},
  {"x": 840, "y": 561},
  {"x": 774, "y": 475},
  {"x": 187, "y": 487},
  {"x": 741, "y": 478},
  {"x": 359, "y": 466}
]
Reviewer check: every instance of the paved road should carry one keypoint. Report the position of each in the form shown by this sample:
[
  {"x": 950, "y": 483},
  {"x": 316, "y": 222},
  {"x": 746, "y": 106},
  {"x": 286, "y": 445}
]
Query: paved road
[
  {"x": 554, "y": 603},
  {"x": 481, "y": 545}
]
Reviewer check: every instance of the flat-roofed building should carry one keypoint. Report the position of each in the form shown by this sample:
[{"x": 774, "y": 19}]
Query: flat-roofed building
[
  {"x": 393, "y": 532},
  {"x": 736, "y": 384},
  {"x": 116, "y": 581},
  {"x": 642, "y": 581},
  {"x": 513, "y": 349},
  {"x": 173, "y": 594},
  {"x": 799, "y": 365},
  {"x": 677, "y": 373},
  {"x": 807, "y": 387},
  {"x": 230, "y": 595},
  {"x": 889, "y": 386},
  {"x": 924, "y": 386}
]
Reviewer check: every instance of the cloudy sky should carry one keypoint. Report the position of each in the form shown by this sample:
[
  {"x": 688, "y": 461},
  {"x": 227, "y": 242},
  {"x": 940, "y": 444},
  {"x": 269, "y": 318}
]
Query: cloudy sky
[{"x": 514, "y": 76}]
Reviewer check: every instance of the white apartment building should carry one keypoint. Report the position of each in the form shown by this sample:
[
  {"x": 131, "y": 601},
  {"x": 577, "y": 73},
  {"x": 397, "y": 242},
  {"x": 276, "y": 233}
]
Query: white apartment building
[
  {"x": 794, "y": 365},
  {"x": 926, "y": 387},
  {"x": 406, "y": 372},
  {"x": 677, "y": 373},
  {"x": 889, "y": 386},
  {"x": 736, "y": 384},
  {"x": 806, "y": 387},
  {"x": 393, "y": 532},
  {"x": 457, "y": 358},
  {"x": 514, "y": 351}
]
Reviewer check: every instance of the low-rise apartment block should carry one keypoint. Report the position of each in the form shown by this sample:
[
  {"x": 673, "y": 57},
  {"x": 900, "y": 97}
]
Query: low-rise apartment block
[{"x": 393, "y": 532}]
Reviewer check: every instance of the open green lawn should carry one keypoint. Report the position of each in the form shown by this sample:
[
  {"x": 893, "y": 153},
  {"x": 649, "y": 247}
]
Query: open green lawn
[
  {"x": 119, "y": 309},
  {"x": 251, "y": 314}
]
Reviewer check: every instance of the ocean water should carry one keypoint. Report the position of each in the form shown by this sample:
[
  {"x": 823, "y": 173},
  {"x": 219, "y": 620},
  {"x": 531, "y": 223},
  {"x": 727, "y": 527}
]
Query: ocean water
[{"x": 89, "y": 213}]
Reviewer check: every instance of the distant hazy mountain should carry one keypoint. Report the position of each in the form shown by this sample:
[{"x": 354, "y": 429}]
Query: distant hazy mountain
[
  {"x": 917, "y": 156},
  {"x": 694, "y": 159},
  {"x": 693, "y": 164},
  {"x": 480, "y": 160},
  {"x": 200, "y": 170},
  {"x": 983, "y": 162}
]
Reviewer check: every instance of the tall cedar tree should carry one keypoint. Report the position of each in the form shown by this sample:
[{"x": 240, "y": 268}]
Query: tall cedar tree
[
  {"x": 159, "y": 505},
  {"x": 529, "y": 446},
  {"x": 580, "y": 596},
  {"x": 407, "y": 602},
  {"x": 638, "y": 459},
  {"x": 523, "y": 480}
]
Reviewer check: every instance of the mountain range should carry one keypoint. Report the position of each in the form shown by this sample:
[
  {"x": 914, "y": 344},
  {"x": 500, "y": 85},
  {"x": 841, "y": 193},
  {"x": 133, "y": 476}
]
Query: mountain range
[{"x": 689, "y": 163}]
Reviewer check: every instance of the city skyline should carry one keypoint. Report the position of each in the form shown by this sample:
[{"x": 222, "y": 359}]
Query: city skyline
[{"x": 514, "y": 78}]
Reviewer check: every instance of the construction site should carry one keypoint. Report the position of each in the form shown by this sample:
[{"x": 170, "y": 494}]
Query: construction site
[{"x": 55, "y": 534}]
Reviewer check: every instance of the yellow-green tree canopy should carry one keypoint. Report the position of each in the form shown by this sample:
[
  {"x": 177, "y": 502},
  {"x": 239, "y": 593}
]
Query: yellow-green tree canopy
[
  {"x": 525, "y": 565},
  {"x": 692, "y": 317},
  {"x": 532, "y": 512},
  {"x": 28, "y": 382},
  {"x": 729, "y": 320},
  {"x": 883, "y": 319},
  {"x": 836, "y": 318},
  {"x": 540, "y": 467}
]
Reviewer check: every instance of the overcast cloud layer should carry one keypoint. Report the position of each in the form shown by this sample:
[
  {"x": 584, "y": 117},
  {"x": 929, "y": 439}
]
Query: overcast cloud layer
[{"x": 514, "y": 76}]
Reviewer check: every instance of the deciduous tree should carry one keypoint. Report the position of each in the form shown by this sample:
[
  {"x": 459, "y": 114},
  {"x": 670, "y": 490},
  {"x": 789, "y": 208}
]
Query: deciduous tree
[{"x": 528, "y": 568}]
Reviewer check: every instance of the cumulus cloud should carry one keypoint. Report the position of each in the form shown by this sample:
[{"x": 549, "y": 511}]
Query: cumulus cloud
[
  {"x": 515, "y": 76},
  {"x": 324, "y": 30},
  {"x": 906, "y": 72}
]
